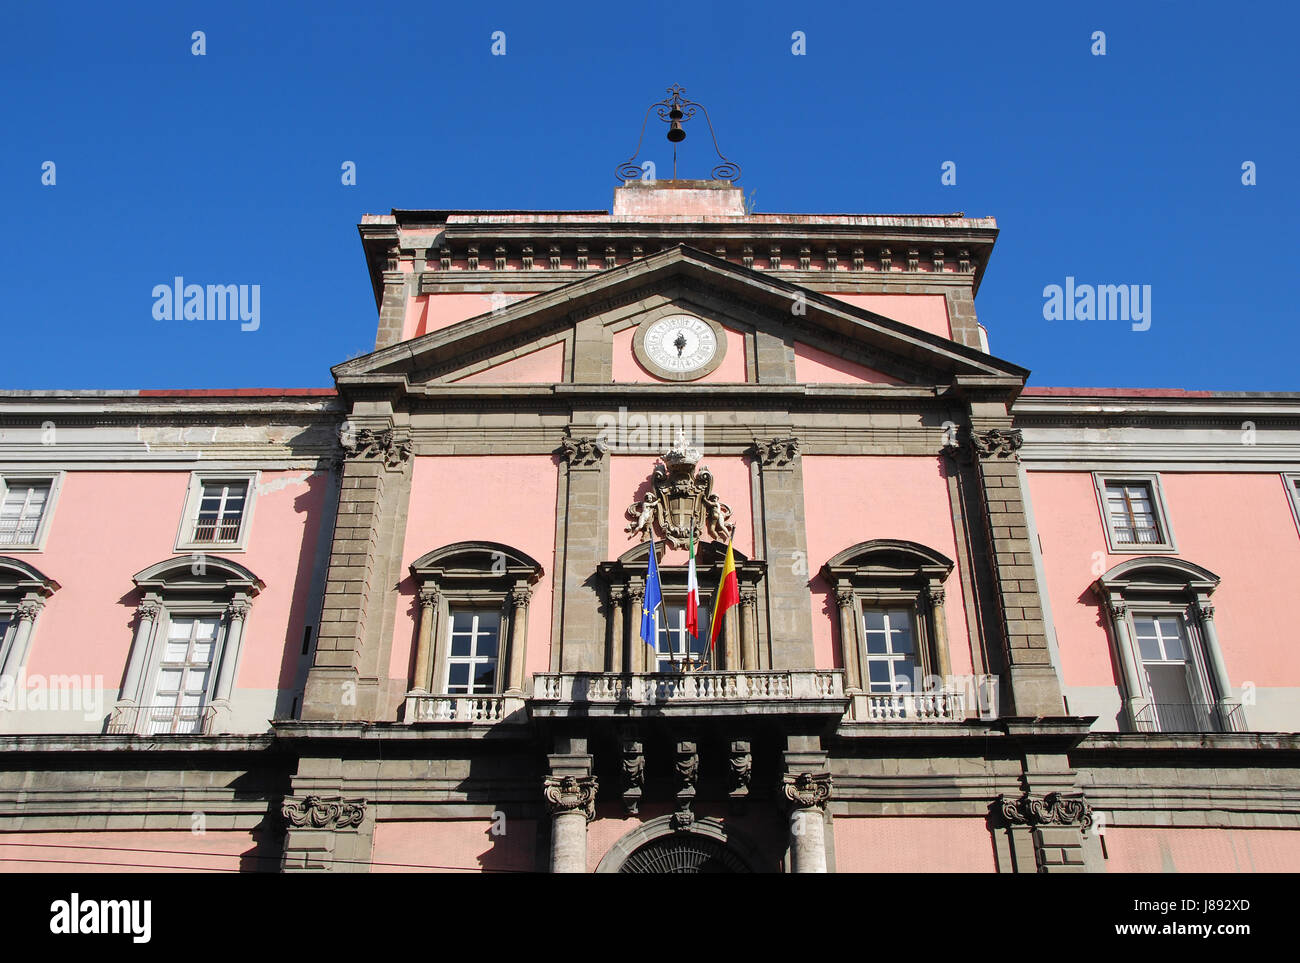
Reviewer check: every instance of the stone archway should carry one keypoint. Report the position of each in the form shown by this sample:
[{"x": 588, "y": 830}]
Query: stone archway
[{"x": 707, "y": 846}]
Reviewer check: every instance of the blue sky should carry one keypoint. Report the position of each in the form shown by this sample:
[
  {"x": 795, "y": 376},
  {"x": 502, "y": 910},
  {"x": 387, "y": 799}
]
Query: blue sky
[{"x": 225, "y": 168}]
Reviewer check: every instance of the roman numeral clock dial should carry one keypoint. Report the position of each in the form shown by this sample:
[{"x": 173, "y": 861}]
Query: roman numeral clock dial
[{"x": 680, "y": 347}]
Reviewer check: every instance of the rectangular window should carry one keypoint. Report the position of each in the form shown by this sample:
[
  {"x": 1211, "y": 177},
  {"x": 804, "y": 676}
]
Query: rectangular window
[
  {"x": 218, "y": 512},
  {"x": 674, "y": 643},
  {"x": 891, "y": 656},
  {"x": 1170, "y": 675},
  {"x": 221, "y": 512},
  {"x": 1134, "y": 513},
  {"x": 181, "y": 689},
  {"x": 22, "y": 510},
  {"x": 472, "y": 659}
]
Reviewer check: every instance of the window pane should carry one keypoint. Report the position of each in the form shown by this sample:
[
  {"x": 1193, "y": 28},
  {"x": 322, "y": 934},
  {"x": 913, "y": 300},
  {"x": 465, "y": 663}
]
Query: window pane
[
  {"x": 462, "y": 621},
  {"x": 1168, "y": 684},
  {"x": 485, "y": 677},
  {"x": 900, "y": 625},
  {"x": 176, "y": 649},
  {"x": 460, "y": 642},
  {"x": 878, "y": 674},
  {"x": 458, "y": 677},
  {"x": 875, "y": 620}
]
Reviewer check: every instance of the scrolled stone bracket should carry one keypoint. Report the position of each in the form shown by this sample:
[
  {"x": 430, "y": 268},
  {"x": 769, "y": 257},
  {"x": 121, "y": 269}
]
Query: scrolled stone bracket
[
  {"x": 570, "y": 794},
  {"x": 315, "y": 812},
  {"x": 1051, "y": 809}
]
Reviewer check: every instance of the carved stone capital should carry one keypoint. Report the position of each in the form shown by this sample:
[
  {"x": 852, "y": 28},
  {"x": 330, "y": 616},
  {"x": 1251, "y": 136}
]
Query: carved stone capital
[
  {"x": 148, "y": 610},
  {"x": 844, "y": 597},
  {"x": 1205, "y": 611},
  {"x": 936, "y": 594},
  {"x": 570, "y": 794},
  {"x": 238, "y": 610},
  {"x": 428, "y": 597},
  {"x": 776, "y": 452},
  {"x": 1052, "y": 809},
  {"x": 617, "y": 594},
  {"x": 314, "y": 812},
  {"x": 806, "y": 790},
  {"x": 1118, "y": 608},
  {"x": 520, "y": 596},
  {"x": 28, "y": 609},
  {"x": 998, "y": 442},
  {"x": 749, "y": 596},
  {"x": 582, "y": 452},
  {"x": 370, "y": 444}
]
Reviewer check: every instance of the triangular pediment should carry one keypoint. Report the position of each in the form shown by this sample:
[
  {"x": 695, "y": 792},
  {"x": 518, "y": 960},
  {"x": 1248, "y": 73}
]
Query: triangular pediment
[{"x": 533, "y": 340}]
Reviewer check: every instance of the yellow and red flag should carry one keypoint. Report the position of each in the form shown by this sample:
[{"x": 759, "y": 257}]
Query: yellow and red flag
[{"x": 728, "y": 594}]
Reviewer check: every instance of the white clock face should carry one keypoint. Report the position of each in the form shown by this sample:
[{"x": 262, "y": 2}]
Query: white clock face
[{"x": 680, "y": 343}]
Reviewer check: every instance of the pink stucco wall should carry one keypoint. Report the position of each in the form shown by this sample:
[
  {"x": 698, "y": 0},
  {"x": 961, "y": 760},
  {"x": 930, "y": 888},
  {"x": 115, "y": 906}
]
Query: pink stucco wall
[
  {"x": 132, "y": 852},
  {"x": 426, "y": 313},
  {"x": 543, "y": 366},
  {"x": 913, "y": 844},
  {"x": 627, "y": 369},
  {"x": 461, "y": 845},
  {"x": 1250, "y": 520},
  {"x": 107, "y": 526},
  {"x": 509, "y": 499},
  {"x": 630, "y": 479},
  {"x": 814, "y": 366},
  {"x": 1132, "y": 849},
  {"x": 929, "y": 312},
  {"x": 855, "y": 498}
]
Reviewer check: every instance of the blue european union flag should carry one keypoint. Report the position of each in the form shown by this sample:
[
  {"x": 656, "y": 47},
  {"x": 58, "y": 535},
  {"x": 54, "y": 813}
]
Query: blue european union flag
[{"x": 654, "y": 596}]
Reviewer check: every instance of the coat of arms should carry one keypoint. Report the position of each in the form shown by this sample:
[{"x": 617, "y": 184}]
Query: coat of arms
[{"x": 681, "y": 500}]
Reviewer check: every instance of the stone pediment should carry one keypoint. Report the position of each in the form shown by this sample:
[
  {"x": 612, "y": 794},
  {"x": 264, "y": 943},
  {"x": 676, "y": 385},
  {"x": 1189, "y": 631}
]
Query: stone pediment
[{"x": 545, "y": 333}]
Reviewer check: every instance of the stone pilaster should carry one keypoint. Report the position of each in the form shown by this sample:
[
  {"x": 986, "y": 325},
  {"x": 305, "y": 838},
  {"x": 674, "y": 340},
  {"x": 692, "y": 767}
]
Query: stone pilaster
[
  {"x": 1035, "y": 688},
  {"x": 781, "y": 536},
  {"x": 392, "y": 309},
  {"x": 584, "y": 537},
  {"x": 347, "y": 641}
]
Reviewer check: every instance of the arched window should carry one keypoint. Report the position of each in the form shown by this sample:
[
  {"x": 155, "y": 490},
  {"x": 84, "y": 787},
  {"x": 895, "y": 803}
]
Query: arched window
[
  {"x": 473, "y": 632},
  {"x": 1162, "y": 625},
  {"x": 180, "y": 675},
  {"x": 23, "y": 591},
  {"x": 890, "y": 598}
]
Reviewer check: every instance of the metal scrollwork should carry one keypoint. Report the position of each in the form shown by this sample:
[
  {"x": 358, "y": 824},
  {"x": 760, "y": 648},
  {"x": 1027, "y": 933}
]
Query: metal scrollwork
[{"x": 674, "y": 110}]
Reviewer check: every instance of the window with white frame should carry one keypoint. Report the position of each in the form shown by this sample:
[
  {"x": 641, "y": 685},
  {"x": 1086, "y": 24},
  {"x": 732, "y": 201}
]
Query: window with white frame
[
  {"x": 892, "y": 663},
  {"x": 475, "y": 645},
  {"x": 674, "y": 642},
  {"x": 218, "y": 510},
  {"x": 26, "y": 503},
  {"x": 1172, "y": 675},
  {"x": 1132, "y": 507},
  {"x": 181, "y": 687}
]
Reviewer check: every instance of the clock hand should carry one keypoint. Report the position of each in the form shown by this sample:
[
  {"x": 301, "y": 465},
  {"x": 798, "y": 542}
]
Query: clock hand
[{"x": 680, "y": 343}]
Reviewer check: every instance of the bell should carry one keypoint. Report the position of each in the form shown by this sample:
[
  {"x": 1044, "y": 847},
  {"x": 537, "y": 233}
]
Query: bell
[{"x": 675, "y": 132}]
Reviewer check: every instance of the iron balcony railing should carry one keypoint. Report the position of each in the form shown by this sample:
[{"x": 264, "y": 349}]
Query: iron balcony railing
[
  {"x": 1190, "y": 717},
  {"x": 161, "y": 720}
]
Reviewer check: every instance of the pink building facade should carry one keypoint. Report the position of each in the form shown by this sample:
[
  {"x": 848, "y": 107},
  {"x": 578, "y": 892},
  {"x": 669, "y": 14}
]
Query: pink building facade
[{"x": 396, "y": 625}]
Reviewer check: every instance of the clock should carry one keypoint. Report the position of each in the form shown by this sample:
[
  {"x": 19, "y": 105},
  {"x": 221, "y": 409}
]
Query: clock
[{"x": 679, "y": 347}]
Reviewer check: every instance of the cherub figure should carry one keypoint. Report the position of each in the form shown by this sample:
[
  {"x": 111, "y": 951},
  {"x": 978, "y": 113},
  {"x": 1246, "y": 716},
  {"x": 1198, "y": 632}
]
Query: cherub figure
[{"x": 642, "y": 516}]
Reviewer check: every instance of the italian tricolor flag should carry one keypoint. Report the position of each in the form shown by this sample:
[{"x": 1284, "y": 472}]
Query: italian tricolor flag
[
  {"x": 728, "y": 595},
  {"x": 692, "y": 595}
]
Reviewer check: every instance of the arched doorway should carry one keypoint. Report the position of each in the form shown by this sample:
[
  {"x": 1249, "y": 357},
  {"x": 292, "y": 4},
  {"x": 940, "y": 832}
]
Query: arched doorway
[{"x": 707, "y": 846}]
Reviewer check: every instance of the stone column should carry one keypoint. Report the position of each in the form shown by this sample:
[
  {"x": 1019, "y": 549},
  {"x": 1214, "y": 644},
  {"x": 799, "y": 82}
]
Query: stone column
[
  {"x": 236, "y": 612},
  {"x": 27, "y": 611},
  {"x": 148, "y": 612},
  {"x": 1134, "y": 700},
  {"x": 847, "y": 603},
  {"x": 618, "y": 628},
  {"x": 519, "y": 597},
  {"x": 731, "y": 644},
  {"x": 428, "y": 598},
  {"x": 639, "y": 654},
  {"x": 781, "y": 536},
  {"x": 571, "y": 801},
  {"x": 749, "y": 628},
  {"x": 1035, "y": 688},
  {"x": 1218, "y": 669},
  {"x": 807, "y": 793},
  {"x": 939, "y": 628}
]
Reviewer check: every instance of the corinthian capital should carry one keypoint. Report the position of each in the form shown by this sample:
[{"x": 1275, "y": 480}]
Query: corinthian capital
[
  {"x": 807, "y": 790},
  {"x": 568, "y": 794},
  {"x": 998, "y": 442}
]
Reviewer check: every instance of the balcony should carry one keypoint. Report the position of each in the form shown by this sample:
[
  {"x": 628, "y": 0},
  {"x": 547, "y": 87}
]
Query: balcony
[
  {"x": 484, "y": 710},
  {"x": 161, "y": 720},
  {"x": 913, "y": 707},
  {"x": 806, "y": 692},
  {"x": 1189, "y": 717}
]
